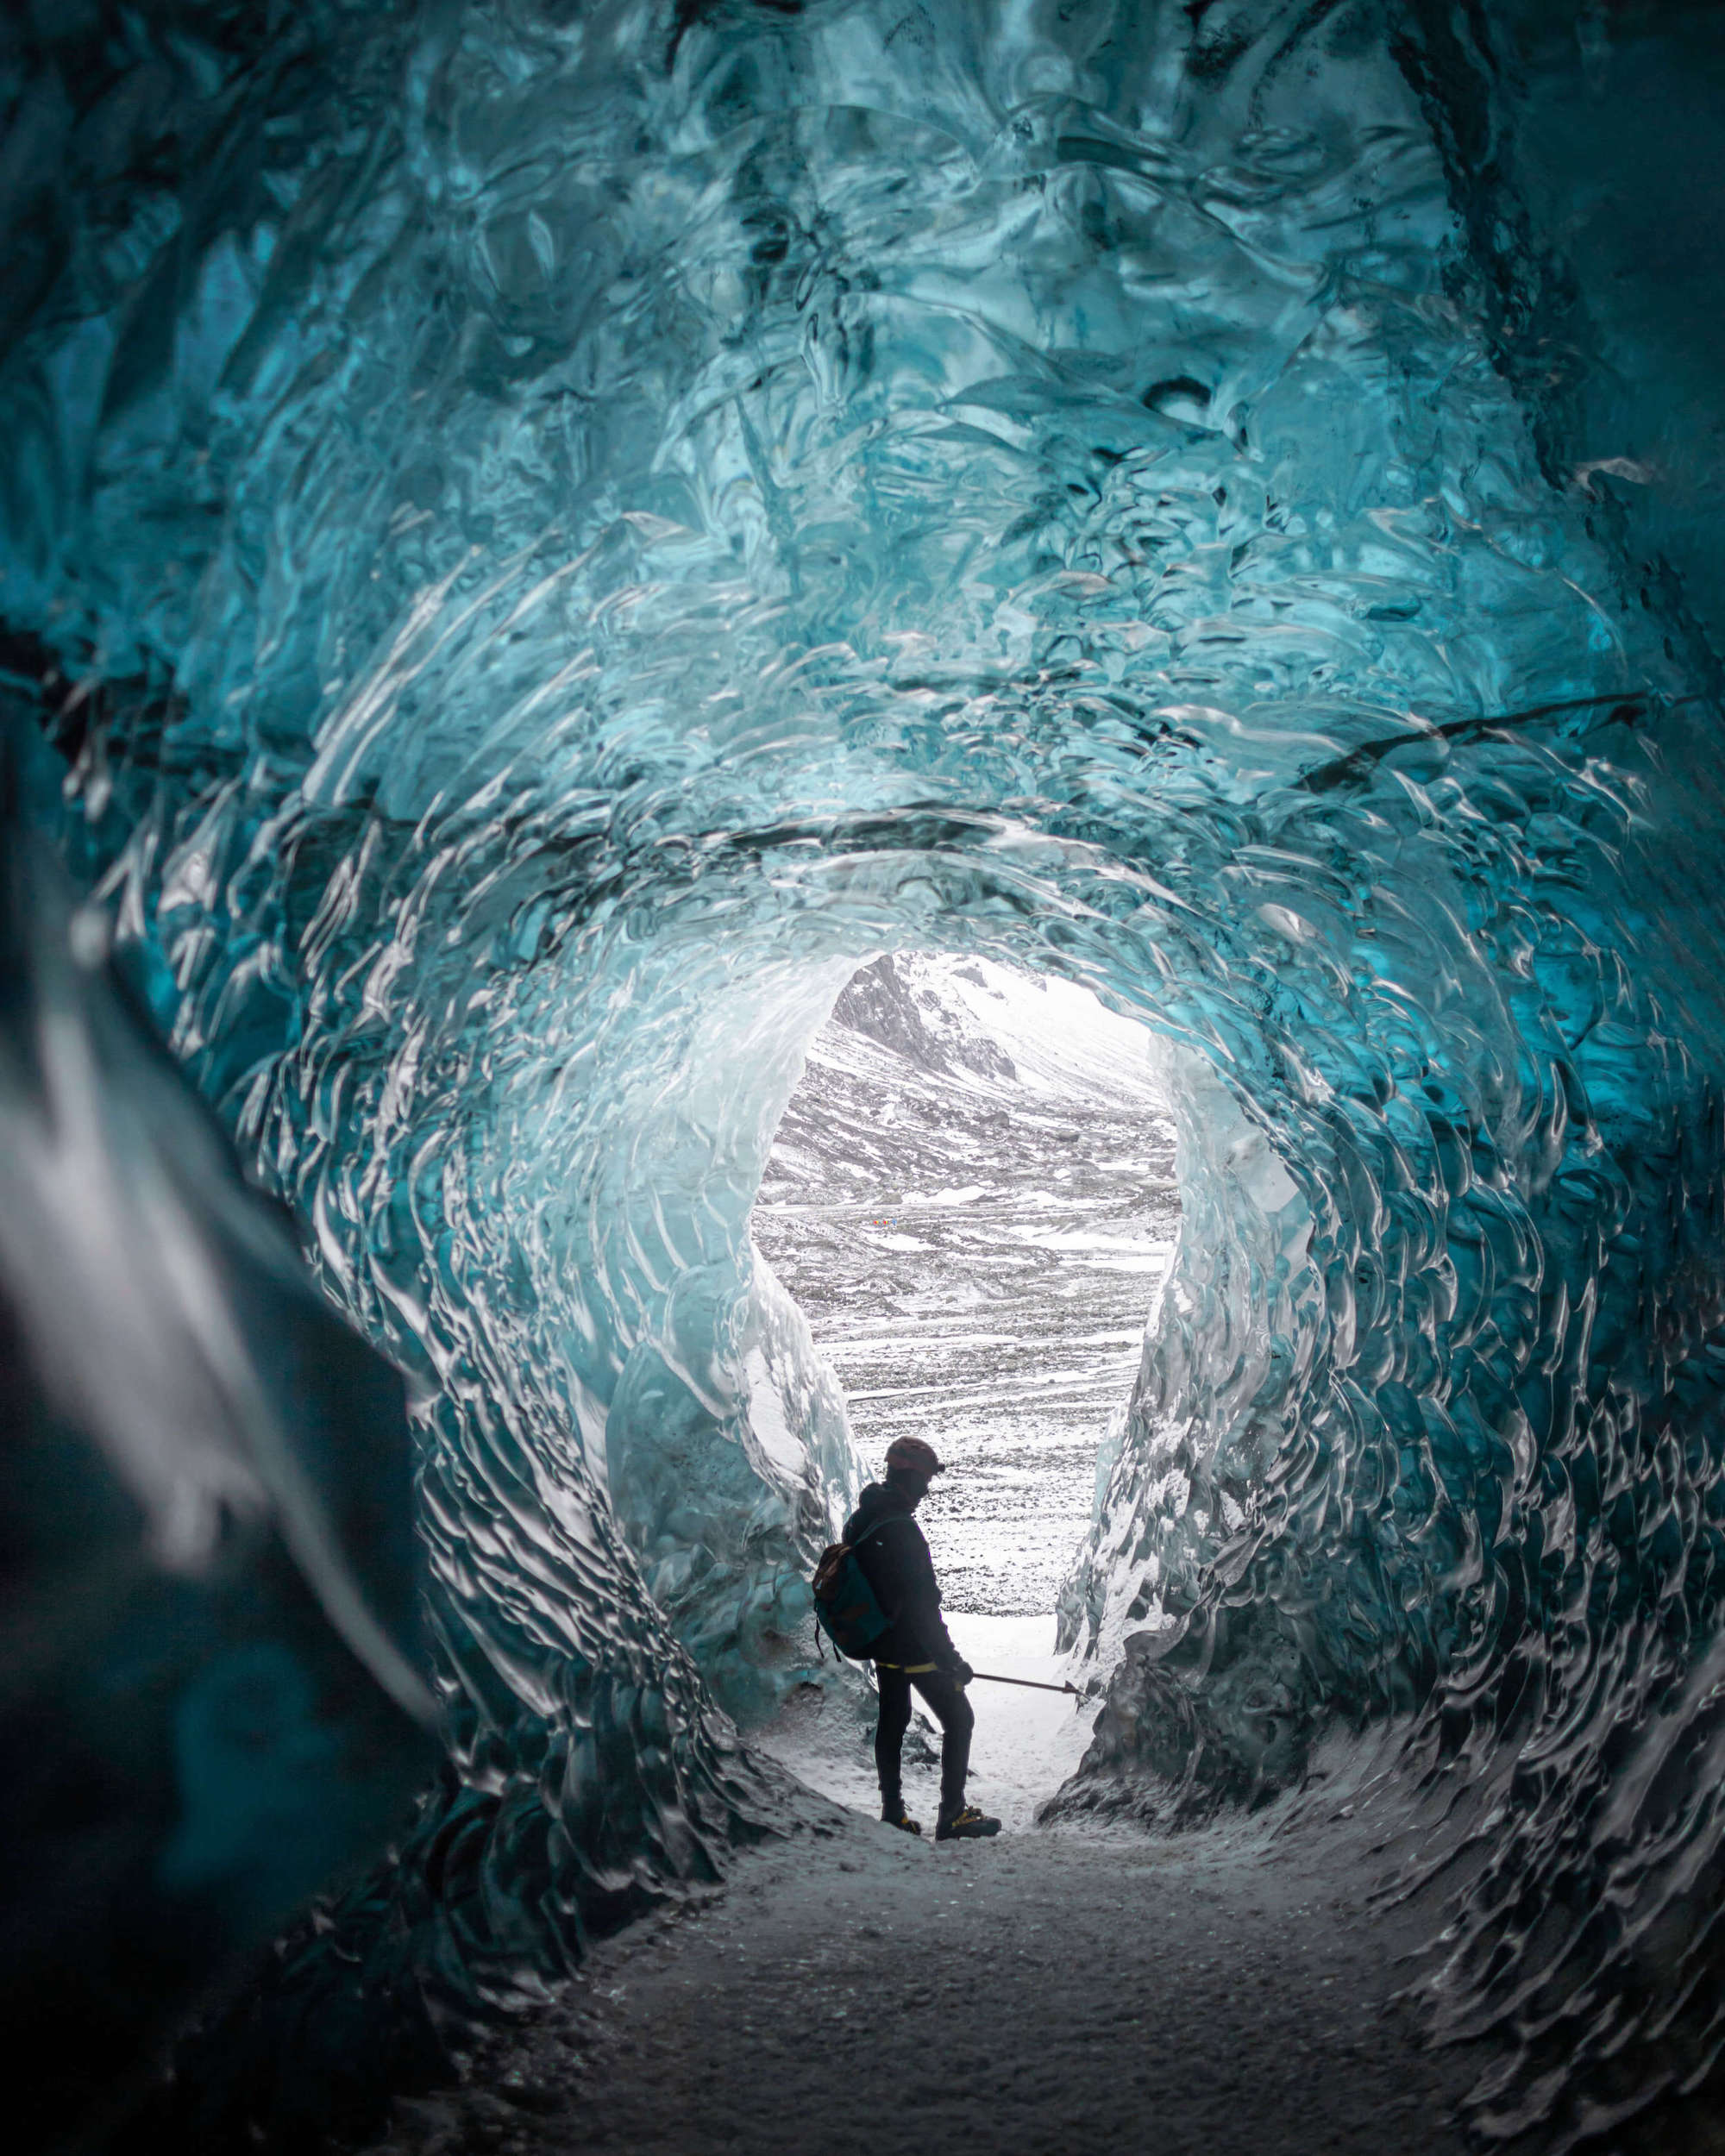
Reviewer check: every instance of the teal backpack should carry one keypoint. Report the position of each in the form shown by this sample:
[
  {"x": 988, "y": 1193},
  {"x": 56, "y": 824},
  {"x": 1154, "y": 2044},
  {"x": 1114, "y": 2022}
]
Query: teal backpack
[{"x": 845, "y": 1606}]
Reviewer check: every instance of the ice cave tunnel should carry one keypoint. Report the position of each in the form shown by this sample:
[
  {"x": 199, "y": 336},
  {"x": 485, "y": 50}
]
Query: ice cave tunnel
[{"x": 536, "y": 536}]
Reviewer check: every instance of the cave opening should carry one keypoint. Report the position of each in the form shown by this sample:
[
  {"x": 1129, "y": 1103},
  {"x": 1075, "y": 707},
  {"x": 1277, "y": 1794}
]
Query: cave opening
[{"x": 971, "y": 1196}]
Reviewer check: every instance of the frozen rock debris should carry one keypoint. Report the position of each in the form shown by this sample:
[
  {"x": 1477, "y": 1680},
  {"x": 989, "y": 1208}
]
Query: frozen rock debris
[{"x": 537, "y": 541}]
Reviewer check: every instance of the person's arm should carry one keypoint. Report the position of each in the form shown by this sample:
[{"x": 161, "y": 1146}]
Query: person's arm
[{"x": 938, "y": 1648}]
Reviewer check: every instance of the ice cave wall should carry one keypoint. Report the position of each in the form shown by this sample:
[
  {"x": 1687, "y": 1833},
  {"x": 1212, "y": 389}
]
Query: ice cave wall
[
  {"x": 543, "y": 536},
  {"x": 211, "y": 1702}
]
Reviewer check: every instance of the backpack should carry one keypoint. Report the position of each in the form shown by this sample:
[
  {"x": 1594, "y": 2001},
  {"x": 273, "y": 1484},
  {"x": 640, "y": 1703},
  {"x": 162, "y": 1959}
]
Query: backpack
[{"x": 845, "y": 1606}]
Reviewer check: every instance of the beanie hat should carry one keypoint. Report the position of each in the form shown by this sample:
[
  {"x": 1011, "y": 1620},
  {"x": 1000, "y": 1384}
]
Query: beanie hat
[{"x": 913, "y": 1456}]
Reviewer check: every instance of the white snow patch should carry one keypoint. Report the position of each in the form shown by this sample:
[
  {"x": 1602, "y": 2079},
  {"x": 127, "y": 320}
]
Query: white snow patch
[
  {"x": 1057, "y": 1033},
  {"x": 1026, "y": 1743}
]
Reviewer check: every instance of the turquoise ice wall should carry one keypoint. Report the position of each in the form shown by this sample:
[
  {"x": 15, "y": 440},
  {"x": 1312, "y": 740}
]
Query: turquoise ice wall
[{"x": 542, "y": 533}]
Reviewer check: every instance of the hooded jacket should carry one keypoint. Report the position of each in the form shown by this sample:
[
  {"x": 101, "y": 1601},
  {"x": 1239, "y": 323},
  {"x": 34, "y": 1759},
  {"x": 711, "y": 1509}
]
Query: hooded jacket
[{"x": 896, "y": 1563}]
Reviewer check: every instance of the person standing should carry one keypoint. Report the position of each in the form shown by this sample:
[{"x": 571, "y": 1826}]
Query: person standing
[{"x": 917, "y": 1650}]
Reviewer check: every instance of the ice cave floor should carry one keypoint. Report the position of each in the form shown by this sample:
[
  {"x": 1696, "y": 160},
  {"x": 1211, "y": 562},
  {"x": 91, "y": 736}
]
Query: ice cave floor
[{"x": 1064, "y": 1989}]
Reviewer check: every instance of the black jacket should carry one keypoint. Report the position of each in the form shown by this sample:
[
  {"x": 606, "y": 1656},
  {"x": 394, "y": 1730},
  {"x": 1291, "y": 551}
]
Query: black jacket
[{"x": 897, "y": 1566}]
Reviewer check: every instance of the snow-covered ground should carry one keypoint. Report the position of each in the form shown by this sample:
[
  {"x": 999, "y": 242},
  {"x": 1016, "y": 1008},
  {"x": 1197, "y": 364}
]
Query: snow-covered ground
[
  {"x": 1026, "y": 1743},
  {"x": 971, "y": 1195}
]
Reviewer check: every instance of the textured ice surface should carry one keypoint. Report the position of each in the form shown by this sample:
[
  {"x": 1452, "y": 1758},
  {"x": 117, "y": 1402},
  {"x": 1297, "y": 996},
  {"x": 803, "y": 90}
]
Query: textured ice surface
[
  {"x": 210, "y": 1700},
  {"x": 558, "y": 534}
]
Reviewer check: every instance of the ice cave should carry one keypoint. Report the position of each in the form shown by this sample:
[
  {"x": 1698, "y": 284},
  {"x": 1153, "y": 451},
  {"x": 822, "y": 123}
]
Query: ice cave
[{"x": 540, "y": 541}]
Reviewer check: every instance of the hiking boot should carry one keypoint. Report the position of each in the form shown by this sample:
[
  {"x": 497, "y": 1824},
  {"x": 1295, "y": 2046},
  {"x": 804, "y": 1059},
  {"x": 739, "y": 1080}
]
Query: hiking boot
[
  {"x": 894, "y": 1814},
  {"x": 966, "y": 1825}
]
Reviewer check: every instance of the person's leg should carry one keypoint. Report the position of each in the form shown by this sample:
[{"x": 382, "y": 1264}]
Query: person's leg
[
  {"x": 889, "y": 1734},
  {"x": 952, "y": 1710}
]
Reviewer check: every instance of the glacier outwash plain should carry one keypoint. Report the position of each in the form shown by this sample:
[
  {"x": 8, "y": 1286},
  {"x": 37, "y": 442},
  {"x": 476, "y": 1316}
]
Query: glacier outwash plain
[
  {"x": 971, "y": 1195},
  {"x": 536, "y": 539}
]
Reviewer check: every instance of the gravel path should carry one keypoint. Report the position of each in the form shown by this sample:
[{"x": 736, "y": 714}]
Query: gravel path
[{"x": 852, "y": 1992}]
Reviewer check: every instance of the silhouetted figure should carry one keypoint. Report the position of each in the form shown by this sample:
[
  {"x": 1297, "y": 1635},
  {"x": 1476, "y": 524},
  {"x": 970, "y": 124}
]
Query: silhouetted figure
[{"x": 917, "y": 1650}]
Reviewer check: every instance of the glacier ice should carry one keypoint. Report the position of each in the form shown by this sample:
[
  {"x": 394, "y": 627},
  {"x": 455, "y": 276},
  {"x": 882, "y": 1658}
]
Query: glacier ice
[
  {"x": 544, "y": 536},
  {"x": 210, "y": 1703}
]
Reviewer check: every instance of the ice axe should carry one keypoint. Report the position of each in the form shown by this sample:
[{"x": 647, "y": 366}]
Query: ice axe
[
  {"x": 1030, "y": 1684},
  {"x": 982, "y": 1676}
]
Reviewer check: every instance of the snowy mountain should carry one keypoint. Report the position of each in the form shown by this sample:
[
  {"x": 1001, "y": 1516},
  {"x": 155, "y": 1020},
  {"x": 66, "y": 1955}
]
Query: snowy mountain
[{"x": 971, "y": 1195}]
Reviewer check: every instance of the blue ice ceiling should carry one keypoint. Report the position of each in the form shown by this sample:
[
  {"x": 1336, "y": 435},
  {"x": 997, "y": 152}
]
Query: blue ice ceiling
[{"x": 537, "y": 537}]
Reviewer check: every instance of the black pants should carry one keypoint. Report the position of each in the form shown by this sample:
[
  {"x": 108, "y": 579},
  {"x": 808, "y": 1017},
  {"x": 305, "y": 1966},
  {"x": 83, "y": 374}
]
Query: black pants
[{"x": 950, "y": 1707}]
